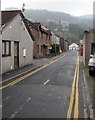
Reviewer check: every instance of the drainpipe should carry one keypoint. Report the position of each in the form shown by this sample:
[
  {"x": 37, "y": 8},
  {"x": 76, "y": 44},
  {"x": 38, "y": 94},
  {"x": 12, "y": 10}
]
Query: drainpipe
[
  {"x": 0, "y": 64},
  {"x": 0, "y": 42}
]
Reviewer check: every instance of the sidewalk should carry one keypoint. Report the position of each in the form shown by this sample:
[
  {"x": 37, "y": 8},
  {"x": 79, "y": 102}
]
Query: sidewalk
[
  {"x": 91, "y": 87},
  {"x": 89, "y": 83},
  {"x": 36, "y": 64}
]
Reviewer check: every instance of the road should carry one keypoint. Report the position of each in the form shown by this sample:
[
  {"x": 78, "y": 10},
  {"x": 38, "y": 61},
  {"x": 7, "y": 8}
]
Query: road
[{"x": 53, "y": 90}]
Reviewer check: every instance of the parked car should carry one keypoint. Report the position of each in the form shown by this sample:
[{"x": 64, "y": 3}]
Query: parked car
[{"x": 91, "y": 65}]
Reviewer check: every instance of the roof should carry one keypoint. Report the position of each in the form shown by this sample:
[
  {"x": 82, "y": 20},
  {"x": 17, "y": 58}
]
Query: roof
[
  {"x": 73, "y": 44},
  {"x": 33, "y": 25},
  {"x": 8, "y": 16},
  {"x": 46, "y": 31},
  {"x": 37, "y": 26}
]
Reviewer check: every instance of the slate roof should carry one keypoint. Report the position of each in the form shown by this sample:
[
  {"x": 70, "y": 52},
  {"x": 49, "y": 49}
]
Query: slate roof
[
  {"x": 8, "y": 16},
  {"x": 33, "y": 25},
  {"x": 37, "y": 26}
]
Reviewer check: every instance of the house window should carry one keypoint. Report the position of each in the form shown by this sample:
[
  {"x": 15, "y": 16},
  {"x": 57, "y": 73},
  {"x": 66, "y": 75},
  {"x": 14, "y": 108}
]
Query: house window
[
  {"x": 49, "y": 37},
  {"x": 41, "y": 48},
  {"x": 6, "y": 48}
]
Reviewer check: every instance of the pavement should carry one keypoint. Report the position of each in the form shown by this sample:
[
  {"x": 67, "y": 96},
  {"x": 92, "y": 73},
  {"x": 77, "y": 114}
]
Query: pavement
[
  {"x": 46, "y": 89},
  {"x": 90, "y": 81},
  {"x": 87, "y": 89}
]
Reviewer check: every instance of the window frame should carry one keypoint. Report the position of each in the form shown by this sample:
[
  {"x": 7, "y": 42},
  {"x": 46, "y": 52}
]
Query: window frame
[{"x": 5, "y": 50}]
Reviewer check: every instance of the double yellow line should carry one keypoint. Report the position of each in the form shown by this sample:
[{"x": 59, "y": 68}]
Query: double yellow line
[
  {"x": 74, "y": 94},
  {"x": 29, "y": 74}
]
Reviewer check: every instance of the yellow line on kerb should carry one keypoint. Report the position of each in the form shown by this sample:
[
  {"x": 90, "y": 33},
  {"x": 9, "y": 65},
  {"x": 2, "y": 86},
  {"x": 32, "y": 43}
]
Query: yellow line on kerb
[
  {"x": 77, "y": 95},
  {"x": 29, "y": 74},
  {"x": 75, "y": 84}
]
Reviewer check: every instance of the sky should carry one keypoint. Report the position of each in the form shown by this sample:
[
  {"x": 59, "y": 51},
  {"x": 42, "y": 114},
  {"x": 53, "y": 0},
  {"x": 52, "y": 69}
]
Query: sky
[{"x": 73, "y": 7}]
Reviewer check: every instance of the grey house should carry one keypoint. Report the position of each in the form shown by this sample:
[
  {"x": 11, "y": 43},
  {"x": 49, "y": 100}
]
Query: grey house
[{"x": 17, "y": 41}]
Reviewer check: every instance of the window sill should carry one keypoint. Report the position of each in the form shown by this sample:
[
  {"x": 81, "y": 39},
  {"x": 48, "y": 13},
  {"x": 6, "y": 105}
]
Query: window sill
[{"x": 6, "y": 55}]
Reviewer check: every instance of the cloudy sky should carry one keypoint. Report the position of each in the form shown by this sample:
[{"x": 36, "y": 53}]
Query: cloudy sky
[{"x": 73, "y": 7}]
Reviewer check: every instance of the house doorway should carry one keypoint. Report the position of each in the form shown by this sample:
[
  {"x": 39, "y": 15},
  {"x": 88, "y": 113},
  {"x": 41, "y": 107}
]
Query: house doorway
[
  {"x": 16, "y": 55},
  {"x": 93, "y": 48},
  {"x": 45, "y": 51}
]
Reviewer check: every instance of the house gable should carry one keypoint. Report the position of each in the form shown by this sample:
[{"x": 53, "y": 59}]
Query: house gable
[
  {"x": 74, "y": 44},
  {"x": 15, "y": 31},
  {"x": 9, "y": 16}
]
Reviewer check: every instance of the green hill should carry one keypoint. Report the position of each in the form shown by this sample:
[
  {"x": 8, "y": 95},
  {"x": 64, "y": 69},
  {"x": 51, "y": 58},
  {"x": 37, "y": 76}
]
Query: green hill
[{"x": 64, "y": 24}]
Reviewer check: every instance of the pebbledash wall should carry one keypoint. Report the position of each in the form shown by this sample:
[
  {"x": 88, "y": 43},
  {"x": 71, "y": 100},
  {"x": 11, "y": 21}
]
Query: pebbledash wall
[{"x": 17, "y": 31}]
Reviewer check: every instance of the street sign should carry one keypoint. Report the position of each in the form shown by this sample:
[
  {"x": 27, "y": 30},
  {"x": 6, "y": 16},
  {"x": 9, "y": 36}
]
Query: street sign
[{"x": 50, "y": 47}]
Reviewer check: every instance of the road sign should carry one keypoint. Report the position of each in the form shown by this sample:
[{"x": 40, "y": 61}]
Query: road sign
[{"x": 50, "y": 47}]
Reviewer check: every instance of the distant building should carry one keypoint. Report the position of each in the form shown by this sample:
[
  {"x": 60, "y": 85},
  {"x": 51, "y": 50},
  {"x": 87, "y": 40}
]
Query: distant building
[
  {"x": 55, "y": 39},
  {"x": 55, "y": 42},
  {"x": 73, "y": 46},
  {"x": 66, "y": 45},
  {"x": 81, "y": 47},
  {"x": 62, "y": 44},
  {"x": 17, "y": 41}
]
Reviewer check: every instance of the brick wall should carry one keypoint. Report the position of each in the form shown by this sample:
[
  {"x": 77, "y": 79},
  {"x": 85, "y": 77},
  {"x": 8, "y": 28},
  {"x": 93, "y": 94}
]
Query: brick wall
[
  {"x": 41, "y": 42},
  {"x": 87, "y": 40}
]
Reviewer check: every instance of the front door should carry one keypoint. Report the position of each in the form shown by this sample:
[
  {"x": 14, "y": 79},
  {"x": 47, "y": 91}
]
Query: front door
[
  {"x": 16, "y": 54},
  {"x": 93, "y": 48}
]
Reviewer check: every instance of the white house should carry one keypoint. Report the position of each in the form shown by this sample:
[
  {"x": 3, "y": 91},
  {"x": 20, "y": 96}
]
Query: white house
[{"x": 73, "y": 46}]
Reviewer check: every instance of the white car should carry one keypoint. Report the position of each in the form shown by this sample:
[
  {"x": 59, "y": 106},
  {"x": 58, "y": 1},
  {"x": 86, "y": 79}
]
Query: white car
[{"x": 91, "y": 65}]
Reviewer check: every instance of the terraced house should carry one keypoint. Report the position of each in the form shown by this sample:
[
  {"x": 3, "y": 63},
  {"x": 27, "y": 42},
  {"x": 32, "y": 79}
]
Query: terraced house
[
  {"x": 42, "y": 39},
  {"x": 17, "y": 41}
]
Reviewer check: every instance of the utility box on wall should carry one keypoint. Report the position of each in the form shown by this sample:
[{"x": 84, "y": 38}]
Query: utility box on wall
[{"x": 24, "y": 52}]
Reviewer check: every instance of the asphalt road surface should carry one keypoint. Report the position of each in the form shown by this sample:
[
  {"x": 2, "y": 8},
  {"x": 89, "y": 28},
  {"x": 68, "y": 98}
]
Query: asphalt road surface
[{"x": 51, "y": 91}]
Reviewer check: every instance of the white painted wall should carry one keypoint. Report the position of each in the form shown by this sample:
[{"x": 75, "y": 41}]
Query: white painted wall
[{"x": 73, "y": 46}]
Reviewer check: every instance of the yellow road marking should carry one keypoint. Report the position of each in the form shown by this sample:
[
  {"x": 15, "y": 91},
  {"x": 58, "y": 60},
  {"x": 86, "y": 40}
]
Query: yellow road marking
[
  {"x": 72, "y": 95},
  {"x": 77, "y": 95},
  {"x": 75, "y": 84},
  {"x": 29, "y": 74}
]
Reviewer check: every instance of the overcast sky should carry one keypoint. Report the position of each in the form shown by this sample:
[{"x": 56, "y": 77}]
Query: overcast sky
[{"x": 73, "y": 7}]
